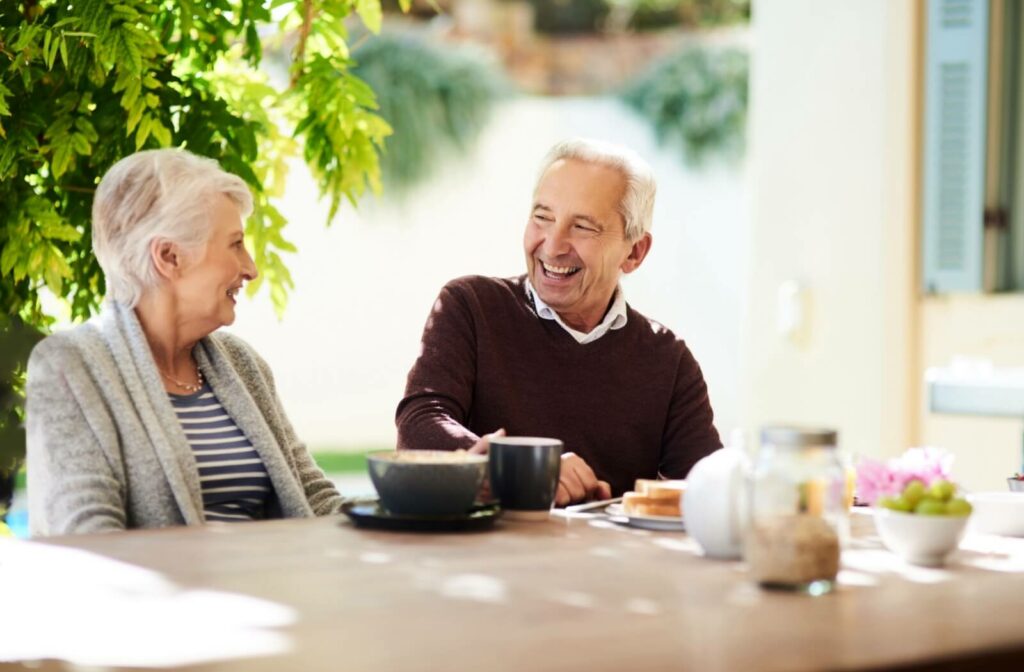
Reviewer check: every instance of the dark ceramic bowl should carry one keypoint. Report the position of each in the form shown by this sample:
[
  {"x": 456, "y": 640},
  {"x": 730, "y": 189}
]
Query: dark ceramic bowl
[{"x": 427, "y": 482}]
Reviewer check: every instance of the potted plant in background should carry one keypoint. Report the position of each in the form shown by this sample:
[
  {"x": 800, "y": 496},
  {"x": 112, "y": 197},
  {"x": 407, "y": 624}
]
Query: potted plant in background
[{"x": 918, "y": 510}]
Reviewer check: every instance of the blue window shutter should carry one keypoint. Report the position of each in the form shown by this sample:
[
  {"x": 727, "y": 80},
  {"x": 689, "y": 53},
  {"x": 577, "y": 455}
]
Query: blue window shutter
[{"x": 956, "y": 73}]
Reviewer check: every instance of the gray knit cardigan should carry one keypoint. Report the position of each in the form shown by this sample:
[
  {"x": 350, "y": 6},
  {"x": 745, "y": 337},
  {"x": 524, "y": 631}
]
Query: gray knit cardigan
[{"x": 106, "y": 450}]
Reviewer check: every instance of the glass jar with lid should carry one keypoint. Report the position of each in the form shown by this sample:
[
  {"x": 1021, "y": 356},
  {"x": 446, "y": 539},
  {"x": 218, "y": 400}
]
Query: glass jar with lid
[{"x": 797, "y": 515}]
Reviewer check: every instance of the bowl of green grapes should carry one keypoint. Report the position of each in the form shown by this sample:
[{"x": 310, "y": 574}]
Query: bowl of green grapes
[{"x": 923, "y": 524}]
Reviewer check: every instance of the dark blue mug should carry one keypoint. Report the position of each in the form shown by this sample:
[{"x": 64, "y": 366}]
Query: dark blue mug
[{"x": 524, "y": 474}]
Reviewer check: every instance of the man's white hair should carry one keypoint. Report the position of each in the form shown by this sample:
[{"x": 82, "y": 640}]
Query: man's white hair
[
  {"x": 637, "y": 207},
  {"x": 159, "y": 194}
]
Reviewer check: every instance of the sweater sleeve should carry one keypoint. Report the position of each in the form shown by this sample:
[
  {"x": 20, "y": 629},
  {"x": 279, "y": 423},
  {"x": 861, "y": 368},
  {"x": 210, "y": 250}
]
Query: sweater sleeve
[
  {"x": 73, "y": 486},
  {"x": 320, "y": 492},
  {"x": 690, "y": 432},
  {"x": 439, "y": 390}
]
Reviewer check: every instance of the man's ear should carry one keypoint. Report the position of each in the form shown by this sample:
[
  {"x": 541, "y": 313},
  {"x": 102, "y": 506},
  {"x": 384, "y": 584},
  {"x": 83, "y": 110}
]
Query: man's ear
[
  {"x": 166, "y": 257},
  {"x": 637, "y": 253}
]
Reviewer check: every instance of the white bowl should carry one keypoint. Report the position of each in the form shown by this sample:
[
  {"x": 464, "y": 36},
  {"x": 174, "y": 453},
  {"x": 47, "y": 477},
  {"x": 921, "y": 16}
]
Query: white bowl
[
  {"x": 998, "y": 513},
  {"x": 919, "y": 539}
]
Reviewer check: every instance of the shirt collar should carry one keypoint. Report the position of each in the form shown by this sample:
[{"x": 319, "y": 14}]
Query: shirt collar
[{"x": 615, "y": 318}]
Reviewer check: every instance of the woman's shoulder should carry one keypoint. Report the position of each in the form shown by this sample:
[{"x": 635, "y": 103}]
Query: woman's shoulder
[{"x": 71, "y": 346}]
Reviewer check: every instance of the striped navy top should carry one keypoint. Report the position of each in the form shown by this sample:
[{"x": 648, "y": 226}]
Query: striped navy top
[{"x": 233, "y": 478}]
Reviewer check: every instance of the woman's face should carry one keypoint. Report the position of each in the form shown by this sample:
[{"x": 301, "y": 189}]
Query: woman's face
[{"x": 208, "y": 284}]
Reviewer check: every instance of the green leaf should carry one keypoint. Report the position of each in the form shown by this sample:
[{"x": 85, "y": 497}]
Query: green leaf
[
  {"x": 134, "y": 116},
  {"x": 86, "y": 128},
  {"x": 62, "y": 157},
  {"x": 11, "y": 255},
  {"x": 132, "y": 89},
  {"x": 4, "y": 93},
  {"x": 47, "y": 53},
  {"x": 143, "y": 132},
  {"x": 369, "y": 11},
  {"x": 64, "y": 51},
  {"x": 35, "y": 260},
  {"x": 52, "y": 273},
  {"x": 161, "y": 133},
  {"x": 81, "y": 145},
  {"x": 61, "y": 231}
]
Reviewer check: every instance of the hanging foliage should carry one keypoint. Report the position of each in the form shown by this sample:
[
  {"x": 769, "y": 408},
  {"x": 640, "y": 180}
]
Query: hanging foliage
[
  {"x": 436, "y": 100},
  {"x": 696, "y": 100}
]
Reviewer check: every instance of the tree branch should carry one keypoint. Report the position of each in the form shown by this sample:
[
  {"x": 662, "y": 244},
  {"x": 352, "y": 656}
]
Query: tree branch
[{"x": 308, "y": 12}]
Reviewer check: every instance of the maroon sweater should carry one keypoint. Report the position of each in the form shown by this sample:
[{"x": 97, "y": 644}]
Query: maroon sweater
[{"x": 633, "y": 403}]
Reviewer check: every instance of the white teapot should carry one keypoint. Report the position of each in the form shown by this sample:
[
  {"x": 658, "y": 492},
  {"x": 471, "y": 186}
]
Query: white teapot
[{"x": 714, "y": 500}]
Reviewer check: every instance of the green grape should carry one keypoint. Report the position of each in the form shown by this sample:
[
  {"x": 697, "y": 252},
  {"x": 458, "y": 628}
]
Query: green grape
[
  {"x": 895, "y": 504},
  {"x": 885, "y": 502},
  {"x": 959, "y": 507},
  {"x": 942, "y": 490},
  {"x": 913, "y": 493},
  {"x": 930, "y": 506}
]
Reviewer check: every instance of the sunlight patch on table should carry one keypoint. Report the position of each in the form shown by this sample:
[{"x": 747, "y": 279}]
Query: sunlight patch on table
[
  {"x": 475, "y": 587},
  {"x": 72, "y": 605},
  {"x": 574, "y": 598},
  {"x": 643, "y": 606},
  {"x": 878, "y": 561},
  {"x": 375, "y": 558}
]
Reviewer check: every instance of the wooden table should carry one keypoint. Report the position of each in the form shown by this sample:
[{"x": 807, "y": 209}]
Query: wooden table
[{"x": 569, "y": 594}]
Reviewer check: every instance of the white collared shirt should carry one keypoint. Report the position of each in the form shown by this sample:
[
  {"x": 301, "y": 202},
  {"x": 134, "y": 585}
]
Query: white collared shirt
[{"x": 615, "y": 318}]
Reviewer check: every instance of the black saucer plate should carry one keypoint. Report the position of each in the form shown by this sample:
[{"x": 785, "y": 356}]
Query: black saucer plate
[{"x": 371, "y": 514}]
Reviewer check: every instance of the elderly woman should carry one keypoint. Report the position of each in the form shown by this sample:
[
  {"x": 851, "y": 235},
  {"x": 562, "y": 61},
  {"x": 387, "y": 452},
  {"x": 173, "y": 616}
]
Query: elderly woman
[{"x": 146, "y": 416}]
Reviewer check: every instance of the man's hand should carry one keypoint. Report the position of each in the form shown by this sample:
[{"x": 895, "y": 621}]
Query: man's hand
[
  {"x": 481, "y": 447},
  {"x": 484, "y": 442},
  {"x": 578, "y": 483}
]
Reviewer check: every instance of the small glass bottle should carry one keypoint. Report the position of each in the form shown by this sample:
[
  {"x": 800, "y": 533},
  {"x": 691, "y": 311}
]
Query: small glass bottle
[{"x": 797, "y": 518}]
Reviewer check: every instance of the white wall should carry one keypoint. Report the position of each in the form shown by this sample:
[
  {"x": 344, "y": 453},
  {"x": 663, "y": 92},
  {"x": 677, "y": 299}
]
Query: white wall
[
  {"x": 833, "y": 98},
  {"x": 365, "y": 285}
]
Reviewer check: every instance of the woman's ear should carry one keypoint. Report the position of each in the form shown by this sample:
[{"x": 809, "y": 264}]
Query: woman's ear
[
  {"x": 166, "y": 257},
  {"x": 637, "y": 254}
]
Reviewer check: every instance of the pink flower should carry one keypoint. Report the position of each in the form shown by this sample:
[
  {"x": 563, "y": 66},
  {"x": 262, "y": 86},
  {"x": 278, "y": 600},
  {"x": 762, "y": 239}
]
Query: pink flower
[{"x": 876, "y": 479}]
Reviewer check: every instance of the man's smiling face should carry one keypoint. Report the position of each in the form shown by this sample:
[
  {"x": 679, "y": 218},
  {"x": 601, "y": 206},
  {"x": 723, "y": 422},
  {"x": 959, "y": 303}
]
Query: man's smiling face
[{"x": 575, "y": 242}]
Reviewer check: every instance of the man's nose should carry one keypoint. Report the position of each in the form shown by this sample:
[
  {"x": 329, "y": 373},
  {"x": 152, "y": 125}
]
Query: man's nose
[{"x": 556, "y": 242}]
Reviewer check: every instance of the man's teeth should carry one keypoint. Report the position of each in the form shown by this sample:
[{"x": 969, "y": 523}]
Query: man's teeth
[{"x": 559, "y": 270}]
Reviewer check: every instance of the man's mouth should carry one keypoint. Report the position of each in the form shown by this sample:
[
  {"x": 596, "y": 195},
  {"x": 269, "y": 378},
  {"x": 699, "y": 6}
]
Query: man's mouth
[
  {"x": 558, "y": 272},
  {"x": 232, "y": 293}
]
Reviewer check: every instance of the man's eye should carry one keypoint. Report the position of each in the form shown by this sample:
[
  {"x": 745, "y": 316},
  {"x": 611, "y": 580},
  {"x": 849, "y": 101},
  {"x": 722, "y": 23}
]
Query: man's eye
[{"x": 586, "y": 229}]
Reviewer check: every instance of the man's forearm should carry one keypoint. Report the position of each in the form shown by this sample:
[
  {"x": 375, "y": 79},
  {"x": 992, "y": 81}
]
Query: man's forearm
[{"x": 425, "y": 422}]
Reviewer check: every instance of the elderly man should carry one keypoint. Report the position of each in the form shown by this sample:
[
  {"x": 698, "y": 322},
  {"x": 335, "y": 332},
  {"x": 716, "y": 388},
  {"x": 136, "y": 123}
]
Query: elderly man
[{"x": 558, "y": 352}]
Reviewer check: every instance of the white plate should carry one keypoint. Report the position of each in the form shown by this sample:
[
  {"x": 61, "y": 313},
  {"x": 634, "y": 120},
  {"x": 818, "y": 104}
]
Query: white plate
[{"x": 661, "y": 523}]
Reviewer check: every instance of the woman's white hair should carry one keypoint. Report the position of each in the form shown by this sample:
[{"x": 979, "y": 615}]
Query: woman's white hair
[
  {"x": 158, "y": 194},
  {"x": 637, "y": 207}
]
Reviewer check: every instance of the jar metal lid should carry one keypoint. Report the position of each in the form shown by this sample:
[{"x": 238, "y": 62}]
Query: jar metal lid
[{"x": 791, "y": 435}]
